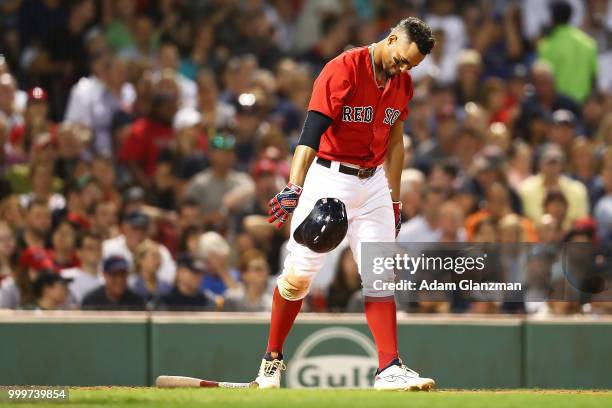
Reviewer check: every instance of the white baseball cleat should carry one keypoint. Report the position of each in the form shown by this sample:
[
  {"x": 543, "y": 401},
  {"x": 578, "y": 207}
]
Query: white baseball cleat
[
  {"x": 398, "y": 377},
  {"x": 270, "y": 373}
]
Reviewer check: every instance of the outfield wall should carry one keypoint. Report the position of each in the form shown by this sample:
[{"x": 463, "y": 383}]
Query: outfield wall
[{"x": 89, "y": 348}]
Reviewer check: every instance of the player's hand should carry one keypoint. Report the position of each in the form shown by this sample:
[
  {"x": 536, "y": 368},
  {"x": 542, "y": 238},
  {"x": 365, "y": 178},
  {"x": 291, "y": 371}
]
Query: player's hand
[
  {"x": 397, "y": 210},
  {"x": 284, "y": 203}
]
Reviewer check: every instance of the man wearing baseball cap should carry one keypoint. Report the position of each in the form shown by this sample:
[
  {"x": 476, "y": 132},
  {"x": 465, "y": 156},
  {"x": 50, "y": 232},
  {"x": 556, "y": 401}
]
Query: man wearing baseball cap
[
  {"x": 186, "y": 294},
  {"x": 114, "y": 294},
  {"x": 219, "y": 188}
]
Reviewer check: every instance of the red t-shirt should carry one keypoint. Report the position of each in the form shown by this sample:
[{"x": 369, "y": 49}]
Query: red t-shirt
[
  {"x": 362, "y": 113},
  {"x": 147, "y": 138}
]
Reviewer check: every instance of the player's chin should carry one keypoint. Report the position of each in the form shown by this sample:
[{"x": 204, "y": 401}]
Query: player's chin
[{"x": 390, "y": 73}]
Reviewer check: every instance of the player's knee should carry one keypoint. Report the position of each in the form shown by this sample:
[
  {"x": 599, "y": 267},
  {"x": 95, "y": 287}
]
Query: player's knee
[{"x": 292, "y": 287}]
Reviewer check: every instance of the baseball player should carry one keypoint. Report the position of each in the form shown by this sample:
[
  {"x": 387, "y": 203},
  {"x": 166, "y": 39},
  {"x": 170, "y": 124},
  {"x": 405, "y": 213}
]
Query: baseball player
[{"x": 351, "y": 149}]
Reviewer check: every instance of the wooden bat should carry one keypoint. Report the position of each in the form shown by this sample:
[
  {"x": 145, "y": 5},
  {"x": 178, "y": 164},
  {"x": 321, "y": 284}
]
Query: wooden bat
[{"x": 177, "y": 381}]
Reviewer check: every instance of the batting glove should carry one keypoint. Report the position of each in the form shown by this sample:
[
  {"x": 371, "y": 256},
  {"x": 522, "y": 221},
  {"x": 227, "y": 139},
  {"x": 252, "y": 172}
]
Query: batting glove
[
  {"x": 397, "y": 210},
  {"x": 284, "y": 203}
]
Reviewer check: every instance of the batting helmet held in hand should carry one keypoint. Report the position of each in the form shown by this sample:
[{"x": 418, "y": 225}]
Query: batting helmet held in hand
[{"x": 325, "y": 226}]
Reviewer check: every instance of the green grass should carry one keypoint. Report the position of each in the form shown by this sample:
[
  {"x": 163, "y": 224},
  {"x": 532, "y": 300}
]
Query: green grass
[{"x": 118, "y": 397}]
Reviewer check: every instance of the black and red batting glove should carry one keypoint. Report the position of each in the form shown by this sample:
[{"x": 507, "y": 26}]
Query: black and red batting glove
[
  {"x": 284, "y": 203},
  {"x": 397, "y": 210}
]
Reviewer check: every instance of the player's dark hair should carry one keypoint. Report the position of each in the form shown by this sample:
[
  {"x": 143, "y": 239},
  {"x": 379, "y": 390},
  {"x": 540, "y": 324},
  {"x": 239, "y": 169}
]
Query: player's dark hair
[
  {"x": 418, "y": 32},
  {"x": 561, "y": 12}
]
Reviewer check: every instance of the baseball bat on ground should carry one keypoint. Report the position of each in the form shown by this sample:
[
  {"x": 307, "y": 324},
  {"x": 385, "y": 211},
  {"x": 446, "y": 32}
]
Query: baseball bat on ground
[{"x": 176, "y": 381}]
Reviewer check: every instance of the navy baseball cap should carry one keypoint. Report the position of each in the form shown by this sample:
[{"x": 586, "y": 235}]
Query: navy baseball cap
[
  {"x": 115, "y": 264},
  {"x": 188, "y": 261},
  {"x": 137, "y": 219}
]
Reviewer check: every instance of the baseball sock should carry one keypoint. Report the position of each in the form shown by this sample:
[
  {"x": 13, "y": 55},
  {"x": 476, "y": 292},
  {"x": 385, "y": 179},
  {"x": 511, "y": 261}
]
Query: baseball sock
[
  {"x": 284, "y": 313},
  {"x": 382, "y": 321}
]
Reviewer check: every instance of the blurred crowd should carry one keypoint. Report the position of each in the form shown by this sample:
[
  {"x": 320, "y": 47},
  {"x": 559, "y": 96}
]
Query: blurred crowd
[{"x": 140, "y": 142}]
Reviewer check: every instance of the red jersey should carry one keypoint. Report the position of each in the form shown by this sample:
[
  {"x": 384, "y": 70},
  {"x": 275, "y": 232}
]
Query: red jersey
[
  {"x": 147, "y": 138},
  {"x": 362, "y": 112}
]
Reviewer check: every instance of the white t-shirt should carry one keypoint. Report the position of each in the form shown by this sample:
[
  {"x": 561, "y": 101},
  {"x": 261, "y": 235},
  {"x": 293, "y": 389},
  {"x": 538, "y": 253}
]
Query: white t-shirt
[{"x": 82, "y": 282}]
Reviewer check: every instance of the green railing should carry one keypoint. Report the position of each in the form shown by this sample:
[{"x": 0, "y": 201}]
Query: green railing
[{"x": 89, "y": 348}]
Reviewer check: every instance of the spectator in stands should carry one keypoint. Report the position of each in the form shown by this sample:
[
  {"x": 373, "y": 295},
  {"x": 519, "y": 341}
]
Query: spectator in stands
[
  {"x": 119, "y": 30},
  {"x": 520, "y": 163},
  {"x": 87, "y": 276},
  {"x": 186, "y": 294},
  {"x": 51, "y": 291},
  {"x": 496, "y": 206},
  {"x": 500, "y": 42},
  {"x": 8, "y": 110},
  {"x": 41, "y": 179},
  {"x": 441, "y": 16},
  {"x": 62, "y": 58},
  {"x": 103, "y": 170},
  {"x": 216, "y": 114},
  {"x": 451, "y": 219},
  {"x": 63, "y": 244},
  {"x": 114, "y": 294},
  {"x": 150, "y": 134},
  {"x": 145, "y": 282},
  {"x": 201, "y": 55},
  {"x": 424, "y": 227},
  {"x": 550, "y": 177},
  {"x": 105, "y": 219},
  {"x": 485, "y": 231},
  {"x": 544, "y": 101},
  {"x": 498, "y": 136},
  {"x": 214, "y": 251},
  {"x": 36, "y": 121},
  {"x": 7, "y": 250},
  {"x": 12, "y": 212},
  {"x": 251, "y": 295},
  {"x": 219, "y": 189},
  {"x": 181, "y": 160},
  {"x": 583, "y": 165},
  {"x": 469, "y": 69},
  {"x": 549, "y": 230},
  {"x": 603, "y": 208},
  {"x": 593, "y": 112},
  {"x": 84, "y": 195},
  {"x": 17, "y": 291},
  {"x": 556, "y": 204},
  {"x": 563, "y": 130},
  {"x": 412, "y": 186},
  {"x": 569, "y": 43},
  {"x": 250, "y": 110},
  {"x": 344, "y": 292},
  {"x": 486, "y": 169},
  {"x": 37, "y": 225},
  {"x": 7, "y": 158},
  {"x": 169, "y": 58},
  {"x": 135, "y": 229},
  {"x": 71, "y": 141}
]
